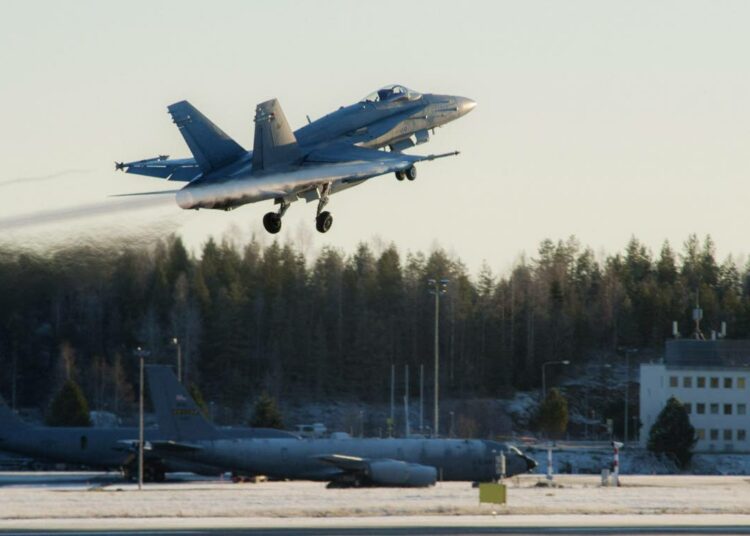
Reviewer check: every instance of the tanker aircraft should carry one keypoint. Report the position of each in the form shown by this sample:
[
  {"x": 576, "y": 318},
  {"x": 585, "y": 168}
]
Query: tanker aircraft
[
  {"x": 341, "y": 462},
  {"x": 340, "y": 150},
  {"x": 102, "y": 448}
]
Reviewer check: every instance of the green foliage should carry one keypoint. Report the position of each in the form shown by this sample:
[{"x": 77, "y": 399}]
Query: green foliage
[
  {"x": 69, "y": 407},
  {"x": 672, "y": 434},
  {"x": 267, "y": 413},
  {"x": 552, "y": 416},
  {"x": 268, "y": 316}
]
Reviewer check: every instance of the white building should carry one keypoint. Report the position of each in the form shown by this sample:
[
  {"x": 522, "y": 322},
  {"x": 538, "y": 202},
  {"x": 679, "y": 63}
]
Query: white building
[{"x": 712, "y": 379}]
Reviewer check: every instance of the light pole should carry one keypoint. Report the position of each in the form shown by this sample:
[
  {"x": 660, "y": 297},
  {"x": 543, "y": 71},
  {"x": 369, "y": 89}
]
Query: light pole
[
  {"x": 437, "y": 287},
  {"x": 141, "y": 354},
  {"x": 176, "y": 342},
  {"x": 544, "y": 377},
  {"x": 628, "y": 351}
]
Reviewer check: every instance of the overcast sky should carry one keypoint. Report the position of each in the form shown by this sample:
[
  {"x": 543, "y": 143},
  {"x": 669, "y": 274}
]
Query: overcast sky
[{"x": 595, "y": 118}]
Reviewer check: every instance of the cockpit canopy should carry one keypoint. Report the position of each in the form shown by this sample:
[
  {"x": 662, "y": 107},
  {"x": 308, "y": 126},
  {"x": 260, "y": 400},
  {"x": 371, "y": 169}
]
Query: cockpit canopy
[{"x": 391, "y": 94}]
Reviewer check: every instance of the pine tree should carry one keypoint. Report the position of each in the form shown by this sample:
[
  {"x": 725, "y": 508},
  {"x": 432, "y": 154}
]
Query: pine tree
[
  {"x": 69, "y": 407},
  {"x": 267, "y": 414},
  {"x": 553, "y": 414},
  {"x": 672, "y": 434}
]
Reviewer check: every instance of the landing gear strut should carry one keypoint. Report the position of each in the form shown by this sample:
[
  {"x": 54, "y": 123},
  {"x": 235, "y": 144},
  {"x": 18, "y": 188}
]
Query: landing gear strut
[
  {"x": 272, "y": 220},
  {"x": 324, "y": 220}
]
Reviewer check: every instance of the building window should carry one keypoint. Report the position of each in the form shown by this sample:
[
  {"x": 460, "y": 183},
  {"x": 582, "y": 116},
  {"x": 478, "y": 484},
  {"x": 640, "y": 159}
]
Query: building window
[
  {"x": 727, "y": 383},
  {"x": 714, "y": 434},
  {"x": 741, "y": 409},
  {"x": 701, "y": 382},
  {"x": 714, "y": 383},
  {"x": 728, "y": 434},
  {"x": 700, "y": 408},
  {"x": 727, "y": 409},
  {"x": 673, "y": 381},
  {"x": 700, "y": 433},
  {"x": 714, "y": 409},
  {"x": 688, "y": 407},
  {"x": 741, "y": 434},
  {"x": 687, "y": 381},
  {"x": 740, "y": 383}
]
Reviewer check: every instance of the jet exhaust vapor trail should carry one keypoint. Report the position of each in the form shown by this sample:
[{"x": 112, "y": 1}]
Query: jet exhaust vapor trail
[
  {"x": 81, "y": 212},
  {"x": 40, "y": 178}
]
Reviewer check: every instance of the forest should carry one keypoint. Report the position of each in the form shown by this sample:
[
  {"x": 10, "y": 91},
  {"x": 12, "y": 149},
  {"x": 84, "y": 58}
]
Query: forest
[{"x": 267, "y": 318}]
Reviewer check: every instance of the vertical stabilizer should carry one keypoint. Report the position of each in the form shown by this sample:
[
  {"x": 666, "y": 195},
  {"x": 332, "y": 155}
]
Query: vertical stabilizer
[
  {"x": 275, "y": 143},
  {"x": 177, "y": 414}
]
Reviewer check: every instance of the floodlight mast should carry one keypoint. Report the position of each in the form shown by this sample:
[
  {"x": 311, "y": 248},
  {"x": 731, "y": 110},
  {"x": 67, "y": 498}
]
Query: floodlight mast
[{"x": 437, "y": 287}]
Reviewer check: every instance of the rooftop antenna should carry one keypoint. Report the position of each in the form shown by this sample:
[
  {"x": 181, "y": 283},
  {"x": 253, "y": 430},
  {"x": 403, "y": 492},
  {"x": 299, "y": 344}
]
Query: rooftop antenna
[{"x": 698, "y": 316}]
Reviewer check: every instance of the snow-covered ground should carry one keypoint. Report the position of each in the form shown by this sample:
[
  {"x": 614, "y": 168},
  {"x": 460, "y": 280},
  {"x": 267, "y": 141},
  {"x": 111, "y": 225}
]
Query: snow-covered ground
[{"x": 576, "y": 494}]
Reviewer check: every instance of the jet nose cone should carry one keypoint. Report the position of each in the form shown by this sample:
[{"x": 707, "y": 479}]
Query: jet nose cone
[{"x": 465, "y": 105}]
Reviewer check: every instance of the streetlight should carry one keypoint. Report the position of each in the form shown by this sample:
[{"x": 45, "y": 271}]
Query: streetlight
[
  {"x": 627, "y": 352},
  {"x": 437, "y": 287},
  {"x": 141, "y": 354},
  {"x": 544, "y": 377},
  {"x": 176, "y": 342}
]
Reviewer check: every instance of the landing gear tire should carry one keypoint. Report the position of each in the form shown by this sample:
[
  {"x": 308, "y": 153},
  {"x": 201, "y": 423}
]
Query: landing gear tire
[
  {"x": 323, "y": 222},
  {"x": 400, "y": 175},
  {"x": 272, "y": 222},
  {"x": 411, "y": 173}
]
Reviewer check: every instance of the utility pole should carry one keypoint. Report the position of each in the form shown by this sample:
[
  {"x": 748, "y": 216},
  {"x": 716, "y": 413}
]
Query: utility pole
[
  {"x": 141, "y": 354},
  {"x": 421, "y": 398},
  {"x": 393, "y": 400},
  {"x": 407, "y": 431},
  {"x": 437, "y": 287},
  {"x": 176, "y": 342}
]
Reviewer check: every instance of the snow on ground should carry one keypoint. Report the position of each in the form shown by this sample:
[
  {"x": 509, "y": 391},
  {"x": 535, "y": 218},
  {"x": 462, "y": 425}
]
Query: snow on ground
[{"x": 577, "y": 494}]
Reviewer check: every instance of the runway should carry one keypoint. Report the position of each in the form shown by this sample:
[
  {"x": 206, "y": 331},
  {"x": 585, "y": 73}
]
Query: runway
[{"x": 435, "y": 525}]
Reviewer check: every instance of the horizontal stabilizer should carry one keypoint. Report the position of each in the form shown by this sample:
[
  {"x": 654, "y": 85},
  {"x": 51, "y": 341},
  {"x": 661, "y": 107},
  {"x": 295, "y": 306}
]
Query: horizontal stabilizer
[{"x": 211, "y": 147}]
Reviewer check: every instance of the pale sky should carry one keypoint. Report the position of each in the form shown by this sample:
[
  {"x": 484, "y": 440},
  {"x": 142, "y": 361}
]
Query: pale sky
[{"x": 595, "y": 118}]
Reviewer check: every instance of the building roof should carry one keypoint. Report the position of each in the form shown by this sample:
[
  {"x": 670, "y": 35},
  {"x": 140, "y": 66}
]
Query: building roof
[{"x": 711, "y": 353}]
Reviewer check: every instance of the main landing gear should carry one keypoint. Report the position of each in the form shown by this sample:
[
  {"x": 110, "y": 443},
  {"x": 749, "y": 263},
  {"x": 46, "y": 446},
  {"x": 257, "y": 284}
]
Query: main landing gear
[
  {"x": 409, "y": 173},
  {"x": 272, "y": 220},
  {"x": 324, "y": 220}
]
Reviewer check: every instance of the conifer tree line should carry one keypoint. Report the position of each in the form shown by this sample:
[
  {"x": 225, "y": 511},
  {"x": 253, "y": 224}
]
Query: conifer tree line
[{"x": 267, "y": 318}]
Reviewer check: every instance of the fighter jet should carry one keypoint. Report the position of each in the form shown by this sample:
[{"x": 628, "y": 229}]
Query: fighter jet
[
  {"x": 326, "y": 156},
  {"x": 102, "y": 448},
  {"x": 341, "y": 462}
]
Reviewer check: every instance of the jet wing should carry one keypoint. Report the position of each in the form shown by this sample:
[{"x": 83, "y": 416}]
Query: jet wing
[
  {"x": 332, "y": 164},
  {"x": 181, "y": 170},
  {"x": 345, "y": 463},
  {"x": 165, "y": 447}
]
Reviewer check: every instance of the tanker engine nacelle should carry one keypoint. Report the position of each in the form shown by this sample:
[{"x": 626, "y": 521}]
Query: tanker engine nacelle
[{"x": 400, "y": 474}]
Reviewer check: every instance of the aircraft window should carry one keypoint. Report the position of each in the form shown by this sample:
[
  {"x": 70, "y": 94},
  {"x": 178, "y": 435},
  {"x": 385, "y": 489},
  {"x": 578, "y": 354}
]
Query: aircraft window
[{"x": 392, "y": 93}]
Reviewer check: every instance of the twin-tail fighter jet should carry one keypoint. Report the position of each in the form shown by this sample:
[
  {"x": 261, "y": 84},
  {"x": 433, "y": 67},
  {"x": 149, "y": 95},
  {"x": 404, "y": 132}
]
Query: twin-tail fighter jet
[{"x": 340, "y": 150}]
